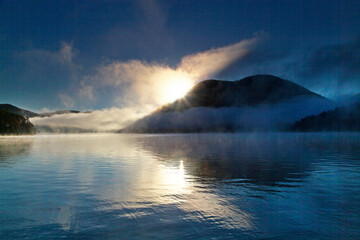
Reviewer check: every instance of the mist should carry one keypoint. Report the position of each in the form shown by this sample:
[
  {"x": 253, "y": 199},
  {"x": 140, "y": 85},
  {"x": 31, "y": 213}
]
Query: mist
[
  {"x": 266, "y": 117},
  {"x": 105, "y": 120}
]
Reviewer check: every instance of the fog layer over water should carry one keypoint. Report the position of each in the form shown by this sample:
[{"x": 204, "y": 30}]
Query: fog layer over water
[
  {"x": 223, "y": 186},
  {"x": 264, "y": 117}
]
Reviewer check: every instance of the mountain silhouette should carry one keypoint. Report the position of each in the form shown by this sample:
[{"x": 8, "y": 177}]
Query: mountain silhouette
[
  {"x": 19, "y": 111},
  {"x": 250, "y": 91},
  {"x": 255, "y": 103}
]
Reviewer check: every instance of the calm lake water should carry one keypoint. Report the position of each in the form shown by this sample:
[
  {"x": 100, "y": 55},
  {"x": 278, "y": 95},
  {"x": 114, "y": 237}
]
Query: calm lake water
[{"x": 205, "y": 186}]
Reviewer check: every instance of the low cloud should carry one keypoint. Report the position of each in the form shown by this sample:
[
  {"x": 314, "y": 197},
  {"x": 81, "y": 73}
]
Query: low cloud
[
  {"x": 105, "y": 120},
  {"x": 265, "y": 117}
]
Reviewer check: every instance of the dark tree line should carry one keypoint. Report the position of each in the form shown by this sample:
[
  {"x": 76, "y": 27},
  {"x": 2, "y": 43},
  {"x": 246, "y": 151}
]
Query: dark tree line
[{"x": 345, "y": 118}]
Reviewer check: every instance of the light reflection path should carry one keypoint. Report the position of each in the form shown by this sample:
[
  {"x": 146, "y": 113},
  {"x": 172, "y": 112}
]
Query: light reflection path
[
  {"x": 158, "y": 185},
  {"x": 122, "y": 176},
  {"x": 149, "y": 186}
]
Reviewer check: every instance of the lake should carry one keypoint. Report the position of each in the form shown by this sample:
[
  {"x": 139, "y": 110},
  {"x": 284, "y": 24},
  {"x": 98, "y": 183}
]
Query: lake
[{"x": 181, "y": 186}]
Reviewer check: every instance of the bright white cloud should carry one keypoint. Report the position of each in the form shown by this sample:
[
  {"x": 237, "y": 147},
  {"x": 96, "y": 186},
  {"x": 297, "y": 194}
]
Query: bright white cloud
[
  {"x": 203, "y": 65},
  {"x": 144, "y": 83}
]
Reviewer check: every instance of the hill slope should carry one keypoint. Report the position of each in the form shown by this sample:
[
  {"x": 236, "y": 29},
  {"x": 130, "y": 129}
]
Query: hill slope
[
  {"x": 19, "y": 111},
  {"x": 15, "y": 124},
  {"x": 255, "y": 103}
]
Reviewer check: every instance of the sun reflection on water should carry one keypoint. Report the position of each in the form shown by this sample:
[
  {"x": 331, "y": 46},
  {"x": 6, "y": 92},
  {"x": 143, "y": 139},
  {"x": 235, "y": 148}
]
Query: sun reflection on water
[
  {"x": 129, "y": 182},
  {"x": 156, "y": 186}
]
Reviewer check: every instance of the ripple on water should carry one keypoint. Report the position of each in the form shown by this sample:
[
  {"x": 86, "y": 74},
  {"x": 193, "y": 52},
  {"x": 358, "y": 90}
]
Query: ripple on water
[{"x": 188, "y": 186}]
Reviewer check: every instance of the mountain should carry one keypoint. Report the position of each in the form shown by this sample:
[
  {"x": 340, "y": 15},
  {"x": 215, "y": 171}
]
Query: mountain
[
  {"x": 15, "y": 110},
  {"x": 255, "y": 103},
  {"x": 346, "y": 118},
  {"x": 250, "y": 91},
  {"x": 15, "y": 124}
]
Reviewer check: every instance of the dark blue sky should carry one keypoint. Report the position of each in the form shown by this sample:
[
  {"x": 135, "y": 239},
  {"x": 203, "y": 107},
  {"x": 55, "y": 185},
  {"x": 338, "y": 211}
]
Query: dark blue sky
[{"x": 53, "y": 53}]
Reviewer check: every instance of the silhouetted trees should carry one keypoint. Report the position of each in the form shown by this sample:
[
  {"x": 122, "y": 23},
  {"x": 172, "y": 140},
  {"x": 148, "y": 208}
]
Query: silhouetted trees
[{"x": 345, "y": 118}]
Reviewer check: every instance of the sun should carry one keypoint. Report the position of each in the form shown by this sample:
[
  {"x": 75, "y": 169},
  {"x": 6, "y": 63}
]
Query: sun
[{"x": 176, "y": 88}]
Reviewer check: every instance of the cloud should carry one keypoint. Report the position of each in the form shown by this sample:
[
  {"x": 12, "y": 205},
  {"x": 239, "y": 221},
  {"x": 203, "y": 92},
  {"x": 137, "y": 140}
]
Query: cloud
[
  {"x": 110, "y": 119},
  {"x": 86, "y": 91},
  {"x": 45, "y": 110},
  {"x": 341, "y": 59},
  {"x": 138, "y": 87},
  {"x": 139, "y": 82},
  {"x": 49, "y": 71},
  {"x": 331, "y": 70},
  {"x": 66, "y": 55},
  {"x": 206, "y": 64},
  {"x": 41, "y": 61},
  {"x": 66, "y": 100}
]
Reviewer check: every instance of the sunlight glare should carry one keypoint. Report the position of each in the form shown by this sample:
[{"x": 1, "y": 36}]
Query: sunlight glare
[{"x": 176, "y": 88}]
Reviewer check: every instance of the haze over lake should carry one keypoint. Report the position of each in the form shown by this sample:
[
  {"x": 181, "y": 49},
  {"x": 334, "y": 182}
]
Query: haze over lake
[
  {"x": 158, "y": 119},
  {"x": 180, "y": 186}
]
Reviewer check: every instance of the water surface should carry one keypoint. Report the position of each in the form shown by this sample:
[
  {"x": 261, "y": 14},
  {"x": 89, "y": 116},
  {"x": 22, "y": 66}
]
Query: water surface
[{"x": 186, "y": 186}]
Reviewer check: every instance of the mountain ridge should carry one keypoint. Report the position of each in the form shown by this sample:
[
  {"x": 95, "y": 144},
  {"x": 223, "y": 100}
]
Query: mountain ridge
[
  {"x": 254, "y": 103},
  {"x": 220, "y": 93},
  {"x": 16, "y": 110}
]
